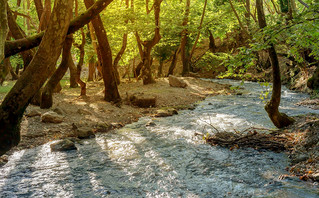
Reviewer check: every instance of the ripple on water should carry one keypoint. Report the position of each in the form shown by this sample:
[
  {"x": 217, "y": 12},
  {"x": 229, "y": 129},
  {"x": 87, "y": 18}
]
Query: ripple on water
[{"x": 165, "y": 160}]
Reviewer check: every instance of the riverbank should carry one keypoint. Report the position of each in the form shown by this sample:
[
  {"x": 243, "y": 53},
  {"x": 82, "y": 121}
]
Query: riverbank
[{"x": 93, "y": 113}]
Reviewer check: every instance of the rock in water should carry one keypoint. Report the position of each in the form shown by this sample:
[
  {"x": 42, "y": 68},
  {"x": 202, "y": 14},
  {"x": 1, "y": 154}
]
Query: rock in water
[
  {"x": 176, "y": 82},
  {"x": 316, "y": 176},
  {"x": 165, "y": 112},
  {"x": 84, "y": 133},
  {"x": 63, "y": 145},
  {"x": 51, "y": 117}
]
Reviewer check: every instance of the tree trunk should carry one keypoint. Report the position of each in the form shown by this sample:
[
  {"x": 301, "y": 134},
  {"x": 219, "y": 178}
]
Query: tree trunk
[
  {"x": 81, "y": 60},
  {"x": 73, "y": 73},
  {"x": 173, "y": 63},
  {"x": 4, "y": 70},
  {"x": 184, "y": 48},
  {"x": 4, "y": 29},
  {"x": 111, "y": 90},
  {"x": 39, "y": 8},
  {"x": 45, "y": 15},
  {"x": 247, "y": 14},
  {"x": 118, "y": 58},
  {"x": 160, "y": 69},
  {"x": 313, "y": 82},
  {"x": 80, "y": 64},
  {"x": 96, "y": 49},
  {"x": 148, "y": 45},
  {"x": 212, "y": 46},
  {"x": 280, "y": 120},
  {"x": 14, "y": 47},
  {"x": 17, "y": 100},
  {"x": 14, "y": 75},
  {"x": 46, "y": 97},
  {"x": 91, "y": 70},
  {"x": 137, "y": 70}
]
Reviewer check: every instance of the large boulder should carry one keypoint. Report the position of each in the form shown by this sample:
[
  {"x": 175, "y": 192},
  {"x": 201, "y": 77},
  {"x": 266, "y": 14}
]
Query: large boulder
[
  {"x": 51, "y": 117},
  {"x": 63, "y": 145},
  {"x": 176, "y": 82}
]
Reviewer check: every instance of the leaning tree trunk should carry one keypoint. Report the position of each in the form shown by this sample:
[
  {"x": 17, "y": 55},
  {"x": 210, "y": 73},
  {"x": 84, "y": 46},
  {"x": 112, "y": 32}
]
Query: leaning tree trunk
[
  {"x": 111, "y": 90},
  {"x": 43, "y": 63},
  {"x": 280, "y": 120},
  {"x": 3, "y": 27},
  {"x": 46, "y": 97}
]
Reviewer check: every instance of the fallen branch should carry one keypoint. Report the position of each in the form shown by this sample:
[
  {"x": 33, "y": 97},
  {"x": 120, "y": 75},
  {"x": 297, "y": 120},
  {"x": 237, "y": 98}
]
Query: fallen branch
[{"x": 253, "y": 139}]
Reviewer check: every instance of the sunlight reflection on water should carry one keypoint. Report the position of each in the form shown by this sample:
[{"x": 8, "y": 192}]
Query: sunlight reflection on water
[{"x": 165, "y": 160}]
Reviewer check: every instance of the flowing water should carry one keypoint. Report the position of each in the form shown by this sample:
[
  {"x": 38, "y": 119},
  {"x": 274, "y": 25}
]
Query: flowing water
[{"x": 163, "y": 158}]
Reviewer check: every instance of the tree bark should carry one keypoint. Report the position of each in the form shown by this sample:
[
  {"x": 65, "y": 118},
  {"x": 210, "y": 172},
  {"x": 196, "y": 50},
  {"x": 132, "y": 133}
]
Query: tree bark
[
  {"x": 39, "y": 8},
  {"x": 160, "y": 69},
  {"x": 4, "y": 70},
  {"x": 46, "y": 97},
  {"x": 91, "y": 69},
  {"x": 17, "y": 100},
  {"x": 111, "y": 90},
  {"x": 45, "y": 16},
  {"x": 212, "y": 46},
  {"x": 148, "y": 45},
  {"x": 280, "y": 120},
  {"x": 96, "y": 49},
  {"x": 14, "y": 47},
  {"x": 80, "y": 64},
  {"x": 4, "y": 29},
  {"x": 184, "y": 50},
  {"x": 73, "y": 74},
  {"x": 118, "y": 58},
  {"x": 173, "y": 63}
]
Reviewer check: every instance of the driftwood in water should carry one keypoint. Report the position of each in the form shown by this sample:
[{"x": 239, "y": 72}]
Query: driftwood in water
[{"x": 273, "y": 141}]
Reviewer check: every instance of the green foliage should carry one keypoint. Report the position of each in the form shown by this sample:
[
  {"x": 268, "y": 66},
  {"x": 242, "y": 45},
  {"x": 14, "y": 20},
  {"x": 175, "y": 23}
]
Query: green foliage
[
  {"x": 264, "y": 95},
  {"x": 6, "y": 86},
  {"x": 237, "y": 65}
]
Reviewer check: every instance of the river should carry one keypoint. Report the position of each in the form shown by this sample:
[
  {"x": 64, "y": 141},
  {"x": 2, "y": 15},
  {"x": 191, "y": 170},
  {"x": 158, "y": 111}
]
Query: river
[{"x": 161, "y": 157}]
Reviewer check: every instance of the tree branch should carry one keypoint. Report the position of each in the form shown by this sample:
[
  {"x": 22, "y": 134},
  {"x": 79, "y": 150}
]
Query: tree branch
[{"x": 14, "y": 47}]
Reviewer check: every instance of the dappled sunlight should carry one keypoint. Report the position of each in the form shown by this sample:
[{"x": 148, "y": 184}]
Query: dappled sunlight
[{"x": 160, "y": 157}]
